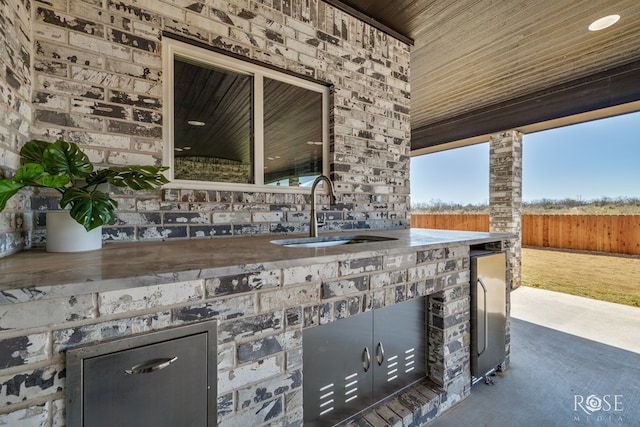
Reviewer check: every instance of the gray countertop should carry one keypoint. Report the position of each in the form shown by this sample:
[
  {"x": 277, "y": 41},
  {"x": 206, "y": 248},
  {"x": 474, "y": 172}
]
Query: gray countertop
[{"x": 36, "y": 274}]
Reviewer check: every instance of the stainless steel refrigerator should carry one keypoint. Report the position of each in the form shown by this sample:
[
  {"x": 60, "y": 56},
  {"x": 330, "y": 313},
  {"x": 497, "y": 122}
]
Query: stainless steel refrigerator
[{"x": 488, "y": 312}]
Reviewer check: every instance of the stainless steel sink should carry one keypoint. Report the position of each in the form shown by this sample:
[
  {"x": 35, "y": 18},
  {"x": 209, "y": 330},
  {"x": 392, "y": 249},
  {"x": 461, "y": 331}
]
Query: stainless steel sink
[{"x": 325, "y": 241}]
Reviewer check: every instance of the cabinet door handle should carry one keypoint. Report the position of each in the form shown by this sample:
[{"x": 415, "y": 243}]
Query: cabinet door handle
[
  {"x": 151, "y": 365},
  {"x": 366, "y": 359},
  {"x": 380, "y": 354},
  {"x": 486, "y": 317}
]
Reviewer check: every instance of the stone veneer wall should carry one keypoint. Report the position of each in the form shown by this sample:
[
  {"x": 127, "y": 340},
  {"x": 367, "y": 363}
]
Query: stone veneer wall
[
  {"x": 15, "y": 116},
  {"x": 97, "y": 81},
  {"x": 505, "y": 195},
  {"x": 211, "y": 169},
  {"x": 505, "y": 207},
  {"x": 261, "y": 313}
]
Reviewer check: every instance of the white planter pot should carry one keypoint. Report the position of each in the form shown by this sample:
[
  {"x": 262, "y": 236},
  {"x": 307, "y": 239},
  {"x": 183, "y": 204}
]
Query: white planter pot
[{"x": 64, "y": 234}]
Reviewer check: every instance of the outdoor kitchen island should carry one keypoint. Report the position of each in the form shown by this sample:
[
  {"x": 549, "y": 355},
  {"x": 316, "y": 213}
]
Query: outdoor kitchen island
[{"x": 262, "y": 296}]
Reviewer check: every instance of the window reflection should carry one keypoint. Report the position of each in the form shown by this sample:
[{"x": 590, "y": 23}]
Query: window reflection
[
  {"x": 292, "y": 134},
  {"x": 213, "y": 123}
]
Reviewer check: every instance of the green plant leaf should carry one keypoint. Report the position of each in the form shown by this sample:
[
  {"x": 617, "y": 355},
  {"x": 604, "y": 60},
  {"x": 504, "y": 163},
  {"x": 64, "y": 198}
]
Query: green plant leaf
[
  {"x": 99, "y": 177},
  {"x": 31, "y": 151},
  {"x": 90, "y": 209},
  {"x": 66, "y": 158},
  {"x": 137, "y": 177},
  {"x": 8, "y": 188},
  {"x": 32, "y": 174},
  {"x": 52, "y": 181},
  {"x": 28, "y": 173}
]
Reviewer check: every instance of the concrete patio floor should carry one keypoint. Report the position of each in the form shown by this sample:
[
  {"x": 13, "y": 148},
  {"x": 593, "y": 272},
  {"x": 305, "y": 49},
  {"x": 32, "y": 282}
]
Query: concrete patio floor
[{"x": 566, "y": 352}]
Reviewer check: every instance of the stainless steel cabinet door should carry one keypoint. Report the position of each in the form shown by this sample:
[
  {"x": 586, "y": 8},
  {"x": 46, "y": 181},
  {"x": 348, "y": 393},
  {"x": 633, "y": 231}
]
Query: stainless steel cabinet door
[
  {"x": 398, "y": 346},
  {"x": 146, "y": 386},
  {"x": 352, "y": 363},
  {"x": 337, "y": 365}
]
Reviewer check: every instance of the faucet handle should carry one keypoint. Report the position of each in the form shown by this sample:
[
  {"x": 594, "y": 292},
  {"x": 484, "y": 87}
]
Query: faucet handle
[{"x": 321, "y": 219}]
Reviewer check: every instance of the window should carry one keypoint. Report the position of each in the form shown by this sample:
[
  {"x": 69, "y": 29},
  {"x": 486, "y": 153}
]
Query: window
[{"x": 230, "y": 123}]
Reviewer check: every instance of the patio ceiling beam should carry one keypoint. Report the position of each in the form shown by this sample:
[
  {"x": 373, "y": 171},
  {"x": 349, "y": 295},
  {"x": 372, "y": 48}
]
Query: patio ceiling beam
[{"x": 607, "y": 89}]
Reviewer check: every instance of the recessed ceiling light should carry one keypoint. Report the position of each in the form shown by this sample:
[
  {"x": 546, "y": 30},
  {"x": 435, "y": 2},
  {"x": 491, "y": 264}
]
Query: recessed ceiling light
[
  {"x": 196, "y": 123},
  {"x": 605, "y": 22}
]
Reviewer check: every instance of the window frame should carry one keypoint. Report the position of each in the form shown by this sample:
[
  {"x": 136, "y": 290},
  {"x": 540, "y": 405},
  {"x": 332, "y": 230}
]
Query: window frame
[{"x": 172, "y": 48}]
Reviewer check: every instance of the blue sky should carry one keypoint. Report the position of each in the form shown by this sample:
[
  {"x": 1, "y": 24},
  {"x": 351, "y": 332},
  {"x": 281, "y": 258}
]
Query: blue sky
[{"x": 587, "y": 161}]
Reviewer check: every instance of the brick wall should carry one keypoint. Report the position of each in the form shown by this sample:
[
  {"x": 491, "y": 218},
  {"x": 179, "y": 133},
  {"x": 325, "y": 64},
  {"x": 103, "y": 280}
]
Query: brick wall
[
  {"x": 97, "y": 81},
  {"x": 15, "y": 115},
  {"x": 505, "y": 195},
  {"x": 211, "y": 169},
  {"x": 505, "y": 208}
]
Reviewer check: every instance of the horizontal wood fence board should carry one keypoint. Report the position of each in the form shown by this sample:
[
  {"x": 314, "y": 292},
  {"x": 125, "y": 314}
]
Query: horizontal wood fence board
[{"x": 596, "y": 233}]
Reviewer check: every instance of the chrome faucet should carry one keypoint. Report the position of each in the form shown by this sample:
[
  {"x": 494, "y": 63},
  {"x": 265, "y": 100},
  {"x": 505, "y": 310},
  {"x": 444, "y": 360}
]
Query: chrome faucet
[{"x": 313, "y": 224}]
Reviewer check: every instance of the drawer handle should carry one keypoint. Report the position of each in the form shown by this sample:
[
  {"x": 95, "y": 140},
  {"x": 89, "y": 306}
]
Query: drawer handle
[{"x": 151, "y": 365}]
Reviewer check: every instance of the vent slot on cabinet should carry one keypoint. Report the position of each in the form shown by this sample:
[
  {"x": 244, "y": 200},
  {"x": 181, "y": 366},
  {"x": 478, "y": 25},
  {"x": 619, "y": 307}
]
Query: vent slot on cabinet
[
  {"x": 327, "y": 399},
  {"x": 351, "y": 387},
  {"x": 392, "y": 368},
  {"x": 409, "y": 360}
]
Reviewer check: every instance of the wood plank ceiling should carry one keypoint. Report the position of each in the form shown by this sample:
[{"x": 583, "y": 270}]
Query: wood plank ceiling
[{"x": 481, "y": 66}]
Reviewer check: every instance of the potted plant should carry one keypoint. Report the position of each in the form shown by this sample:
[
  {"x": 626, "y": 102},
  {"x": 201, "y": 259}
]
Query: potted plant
[{"x": 63, "y": 166}]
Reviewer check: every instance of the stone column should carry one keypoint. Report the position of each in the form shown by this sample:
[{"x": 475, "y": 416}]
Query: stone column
[{"x": 505, "y": 194}]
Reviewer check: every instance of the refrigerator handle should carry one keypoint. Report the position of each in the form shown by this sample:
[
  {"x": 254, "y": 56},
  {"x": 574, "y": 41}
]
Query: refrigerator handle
[
  {"x": 486, "y": 318},
  {"x": 366, "y": 359}
]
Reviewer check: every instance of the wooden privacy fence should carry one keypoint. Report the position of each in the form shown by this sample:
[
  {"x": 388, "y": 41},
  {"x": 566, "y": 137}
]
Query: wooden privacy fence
[
  {"x": 598, "y": 233},
  {"x": 470, "y": 222}
]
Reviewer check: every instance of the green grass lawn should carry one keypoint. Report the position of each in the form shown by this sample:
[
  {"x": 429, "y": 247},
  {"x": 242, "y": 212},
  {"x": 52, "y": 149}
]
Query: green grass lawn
[{"x": 604, "y": 277}]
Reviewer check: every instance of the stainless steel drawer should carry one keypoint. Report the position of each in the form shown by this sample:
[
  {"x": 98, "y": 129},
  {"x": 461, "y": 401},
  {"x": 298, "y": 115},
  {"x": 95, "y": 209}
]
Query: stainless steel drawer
[{"x": 141, "y": 382}]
